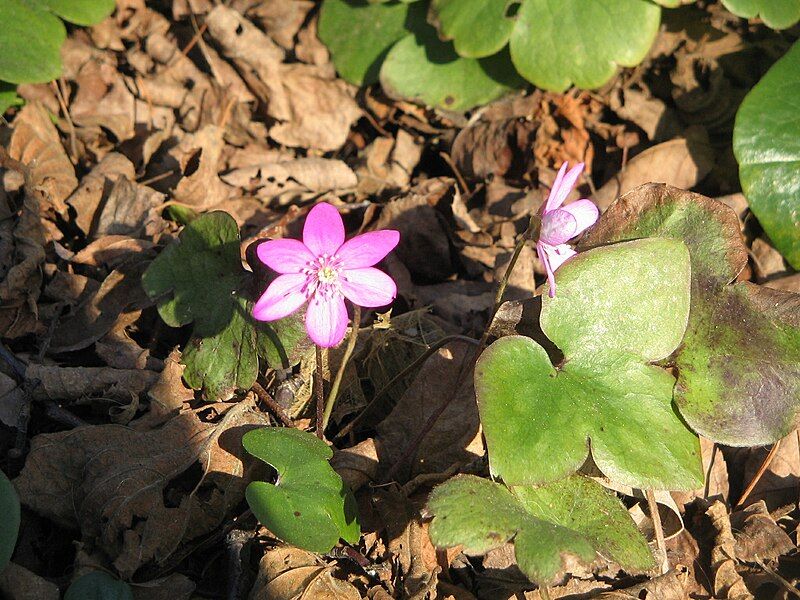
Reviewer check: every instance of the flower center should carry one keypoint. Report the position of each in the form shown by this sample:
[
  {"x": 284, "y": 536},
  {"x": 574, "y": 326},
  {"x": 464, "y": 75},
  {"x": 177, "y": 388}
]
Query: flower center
[
  {"x": 327, "y": 274},
  {"x": 323, "y": 276}
]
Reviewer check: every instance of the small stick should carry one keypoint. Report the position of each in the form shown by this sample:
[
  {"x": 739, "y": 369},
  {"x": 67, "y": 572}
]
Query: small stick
[
  {"x": 446, "y": 157},
  {"x": 320, "y": 394},
  {"x": 707, "y": 487},
  {"x": 544, "y": 592},
  {"x": 351, "y": 344},
  {"x": 273, "y": 406},
  {"x": 761, "y": 470},
  {"x": 659, "y": 531},
  {"x": 72, "y": 137}
]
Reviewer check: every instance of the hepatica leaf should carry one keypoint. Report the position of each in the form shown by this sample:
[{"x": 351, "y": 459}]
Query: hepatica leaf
[
  {"x": 539, "y": 420},
  {"x": 739, "y": 362},
  {"x": 574, "y": 517},
  {"x": 478, "y": 28},
  {"x": 98, "y": 585},
  {"x": 198, "y": 279},
  {"x": 766, "y": 141},
  {"x": 309, "y": 506},
  {"x": 778, "y": 14},
  {"x": 9, "y": 524}
]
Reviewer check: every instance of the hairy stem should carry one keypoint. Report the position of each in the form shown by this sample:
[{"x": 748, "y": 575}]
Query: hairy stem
[
  {"x": 351, "y": 344},
  {"x": 320, "y": 392}
]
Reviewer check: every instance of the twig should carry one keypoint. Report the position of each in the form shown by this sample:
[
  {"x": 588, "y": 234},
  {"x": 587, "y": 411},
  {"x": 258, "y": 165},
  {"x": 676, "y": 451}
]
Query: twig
[
  {"x": 351, "y": 344},
  {"x": 235, "y": 541},
  {"x": 320, "y": 393},
  {"x": 72, "y": 136},
  {"x": 761, "y": 470},
  {"x": 661, "y": 546},
  {"x": 544, "y": 592},
  {"x": 707, "y": 486},
  {"x": 273, "y": 406},
  {"x": 778, "y": 579},
  {"x": 446, "y": 157}
]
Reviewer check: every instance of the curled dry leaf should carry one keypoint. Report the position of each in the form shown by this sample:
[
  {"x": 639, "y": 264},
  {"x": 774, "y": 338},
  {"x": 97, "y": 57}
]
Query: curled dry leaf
[
  {"x": 138, "y": 495},
  {"x": 19, "y": 583},
  {"x": 388, "y": 163},
  {"x": 103, "y": 99},
  {"x": 495, "y": 148},
  {"x": 728, "y": 583},
  {"x": 357, "y": 465},
  {"x": 130, "y": 209},
  {"x": 73, "y": 383},
  {"x": 95, "y": 187},
  {"x": 35, "y": 142},
  {"x": 198, "y": 159},
  {"x": 758, "y": 536},
  {"x": 289, "y": 573}
]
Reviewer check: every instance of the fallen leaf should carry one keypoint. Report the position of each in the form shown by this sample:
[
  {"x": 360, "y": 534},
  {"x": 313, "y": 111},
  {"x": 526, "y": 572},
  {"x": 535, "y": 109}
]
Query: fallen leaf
[
  {"x": 64, "y": 384},
  {"x": 18, "y": 583},
  {"x": 758, "y": 536},
  {"x": 139, "y": 495},
  {"x": 131, "y": 209},
  {"x": 728, "y": 583},
  {"x": 496, "y": 148}
]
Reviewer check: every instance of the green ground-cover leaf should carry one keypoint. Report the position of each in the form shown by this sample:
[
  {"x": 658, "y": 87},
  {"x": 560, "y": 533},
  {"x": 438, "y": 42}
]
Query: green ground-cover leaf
[
  {"x": 309, "y": 506},
  {"x": 556, "y": 43},
  {"x": 778, "y": 14},
  {"x": 478, "y": 28},
  {"x": 98, "y": 585},
  {"x": 539, "y": 420},
  {"x": 199, "y": 279},
  {"x": 8, "y": 97},
  {"x": 9, "y": 523},
  {"x": 739, "y": 363},
  {"x": 574, "y": 517},
  {"x": 80, "y": 12},
  {"x": 766, "y": 141}
]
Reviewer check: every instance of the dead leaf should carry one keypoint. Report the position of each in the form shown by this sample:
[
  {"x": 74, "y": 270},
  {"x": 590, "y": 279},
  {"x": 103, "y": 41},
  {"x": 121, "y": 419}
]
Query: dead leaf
[
  {"x": 36, "y": 143},
  {"x": 768, "y": 261},
  {"x": 681, "y": 162},
  {"x": 778, "y": 485},
  {"x": 197, "y": 160},
  {"x": 289, "y": 573},
  {"x": 113, "y": 251},
  {"x": 388, "y": 163},
  {"x": 18, "y": 583},
  {"x": 172, "y": 587},
  {"x": 758, "y": 536},
  {"x": 64, "y": 384},
  {"x": 357, "y": 465},
  {"x": 168, "y": 394},
  {"x": 103, "y": 99},
  {"x": 665, "y": 587},
  {"x": 717, "y": 486},
  {"x": 728, "y": 583},
  {"x": 130, "y": 209},
  {"x": 495, "y": 148},
  {"x": 12, "y": 401},
  {"x": 456, "y": 436},
  {"x": 652, "y": 115},
  {"x": 139, "y": 495}
]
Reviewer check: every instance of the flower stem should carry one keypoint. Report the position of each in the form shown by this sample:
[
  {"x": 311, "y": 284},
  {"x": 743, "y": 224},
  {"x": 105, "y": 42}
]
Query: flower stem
[
  {"x": 320, "y": 392},
  {"x": 661, "y": 547},
  {"x": 351, "y": 344}
]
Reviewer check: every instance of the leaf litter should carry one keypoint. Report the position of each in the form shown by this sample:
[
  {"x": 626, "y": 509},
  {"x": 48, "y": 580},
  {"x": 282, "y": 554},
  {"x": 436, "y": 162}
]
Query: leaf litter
[{"x": 124, "y": 437}]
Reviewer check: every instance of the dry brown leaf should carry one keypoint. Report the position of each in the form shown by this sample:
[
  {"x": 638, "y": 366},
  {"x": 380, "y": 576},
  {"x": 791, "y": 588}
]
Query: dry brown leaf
[
  {"x": 294, "y": 180},
  {"x": 498, "y": 148},
  {"x": 768, "y": 261},
  {"x": 168, "y": 394},
  {"x": 717, "y": 486},
  {"x": 95, "y": 187},
  {"x": 728, "y": 583},
  {"x": 139, "y": 495},
  {"x": 289, "y": 573},
  {"x": 312, "y": 109},
  {"x": 388, "y": 163},
  {"x": 12, "y": 401},
  {"x": 456, "y": 436},
  {"x": 18, "y": 583},
  {"x": 357, "y": 465},
  {"x": 66, "y": 384},
  {"x": 198, "y": 159},
  {"x": 112, "y": 251},
  {"x": 671, "y": 586},
  {"x": 778, "y": 485},
  {"x": 130, "y": 209},
  {"x": 118, "y": 350},
  {"x": 172, "y": 587},
  {"x": 655, "y": 118},
  {"x": 35, "y": 142},
  {"x": 103, "y": 99},
  {"x": 758, "y": 536},
  {"x": 681, "y": 162}
]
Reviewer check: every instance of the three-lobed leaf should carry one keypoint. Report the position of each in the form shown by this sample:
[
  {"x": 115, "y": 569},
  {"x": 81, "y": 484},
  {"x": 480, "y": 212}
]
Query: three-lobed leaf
[
  {"x": 739, "y": 363},
  {"x": 309, "y": 506},
  {"x": 198, "y": 279},
  {"x": 9, "y": 523},
  {"x": 574, "y": 517},
  {"x": 478, "y": 28},
  {"x": 540, "y": 421},
  {"x": 766, "y": 142},
  {"x": 778, "y": 14}
]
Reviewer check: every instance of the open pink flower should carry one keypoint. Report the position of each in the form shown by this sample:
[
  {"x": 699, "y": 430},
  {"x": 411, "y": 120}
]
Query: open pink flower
[
  {"x": 559, "y": 225},
  {"x": 323, "y": 269}
]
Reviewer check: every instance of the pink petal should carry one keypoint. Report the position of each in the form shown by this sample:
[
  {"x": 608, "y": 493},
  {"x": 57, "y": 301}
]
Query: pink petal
[
  {"x": 563, "y": 186},
  {"x": 551, "y": 279},
  {"x": 326, "y": 320},
  {"x": 283, "y": 296},
  {"x": 585, "y": 213},
  {"x": 558, "y": 226},
  {"x": 558, "y": 255},
  {"x": 323, "y": 232},
  {"x": 556, "y": 186},
  {"x": 285, "y": 256},
  {"x": 368, "y": 287},
  {"x": 368, "y": 248}
]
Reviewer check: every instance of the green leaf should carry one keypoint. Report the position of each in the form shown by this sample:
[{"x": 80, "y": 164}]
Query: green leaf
[
  {"x": 9, "y": 524},
  {"x": 766, "y": 142},
  {"x": 478, "y": 28},
  {"x": 421, "y": 67},
  {"x": 573, "y": 517},
  {"x": 80, "y": 12},
  {"x": 778, "y": 14},
  {"x": 599, "y": 305},
  {"x": 739, "y": 363},
  {"x": 540, "y": 421},
  {"x": 359, "y": 34},
  {"x": 309, "y": 506},
  {"x": 198, "y": 279},
  {"x": 559, "y": 42},
  {"x": 30, "y": 40},
  {"x": 98, "y": 585},
  {"x": 8, "y": 97}
]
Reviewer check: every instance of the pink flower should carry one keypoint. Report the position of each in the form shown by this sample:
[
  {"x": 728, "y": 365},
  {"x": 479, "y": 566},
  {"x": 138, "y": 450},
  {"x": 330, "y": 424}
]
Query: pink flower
[
  {"x": 323, "y": 269},
  {"x": 559, "y": 225}
]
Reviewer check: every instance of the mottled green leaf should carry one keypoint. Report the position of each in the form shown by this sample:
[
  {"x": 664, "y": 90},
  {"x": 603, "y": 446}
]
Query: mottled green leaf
[
  {"x": 556, "y": 43},
  {"x": 9, "y": 524},
  {"x": 739, "y": 363},
  {"x": 8, "y": 97},
  {"x": 766, "y": 141},
  {"x": 30, "y": 41},
  {"x": 359, "y": 34},
  {"x": 309, "y": 506},
  {"x": 574, "y": 517},
  {"x": 778, "y": 14},
  {"x": 477, "y": 28},
  {"x": 199, "y": 279},
  {"x": 421, "y": 67},
  {"x": 80, "y": 12},
  {"x": 98, "y": 585}
]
